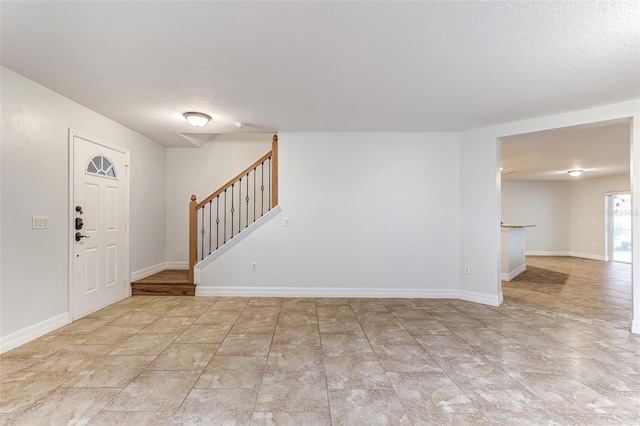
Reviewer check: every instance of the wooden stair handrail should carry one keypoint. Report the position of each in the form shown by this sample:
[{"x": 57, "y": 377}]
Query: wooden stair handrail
[
  {"x": 193, "y": 237},
  {"x": 233, "y": 181},
  {"x": 194, "y": 205}
]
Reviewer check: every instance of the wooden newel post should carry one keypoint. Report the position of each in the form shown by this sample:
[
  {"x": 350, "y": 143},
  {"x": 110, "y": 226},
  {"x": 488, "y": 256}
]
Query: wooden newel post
[
  {"x": 193, "y": 236},
  {"x": 274, "y": 171}
]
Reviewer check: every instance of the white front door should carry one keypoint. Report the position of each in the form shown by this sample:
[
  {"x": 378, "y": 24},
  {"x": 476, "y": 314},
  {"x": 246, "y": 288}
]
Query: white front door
[{"x": 99, "y": 235}]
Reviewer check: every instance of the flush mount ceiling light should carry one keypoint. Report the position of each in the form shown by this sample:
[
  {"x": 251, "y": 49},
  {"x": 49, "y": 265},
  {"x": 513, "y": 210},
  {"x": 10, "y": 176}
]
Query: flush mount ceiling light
[
  {"x": 197, "y": 119},
  {"x": 574, "y": 173}
]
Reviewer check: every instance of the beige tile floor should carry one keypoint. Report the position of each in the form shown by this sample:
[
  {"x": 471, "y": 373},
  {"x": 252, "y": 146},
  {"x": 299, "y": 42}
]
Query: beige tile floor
[
  {"x": 272, "y": 361},
  {"x": 582, "y": 289}
]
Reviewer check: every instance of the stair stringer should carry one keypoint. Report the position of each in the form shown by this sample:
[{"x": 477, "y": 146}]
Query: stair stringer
[{"x": 232, "y": 242}]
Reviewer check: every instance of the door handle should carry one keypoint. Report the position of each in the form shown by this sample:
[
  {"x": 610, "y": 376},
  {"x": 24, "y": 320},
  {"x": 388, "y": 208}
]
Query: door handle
[{"x": 79, "y": 236}]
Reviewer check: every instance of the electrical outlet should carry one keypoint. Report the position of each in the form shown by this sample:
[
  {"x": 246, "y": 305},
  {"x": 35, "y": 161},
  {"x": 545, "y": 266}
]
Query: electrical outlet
[
  {"x": 467, "y": 269},
  {"x": 286, "y": 221},
  {"x": 254, "y": 266}
]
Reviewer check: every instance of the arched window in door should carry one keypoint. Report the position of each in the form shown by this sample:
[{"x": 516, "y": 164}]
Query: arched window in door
[{"x": 101, "y": 165}]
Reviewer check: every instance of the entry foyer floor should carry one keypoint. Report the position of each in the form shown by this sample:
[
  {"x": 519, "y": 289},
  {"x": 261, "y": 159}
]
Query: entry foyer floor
[{"x": 152, "y": 360}]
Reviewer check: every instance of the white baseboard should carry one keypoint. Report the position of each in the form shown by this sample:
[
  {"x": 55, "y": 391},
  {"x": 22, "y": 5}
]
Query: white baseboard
[
  {"x": 27, "y": 334},
  {"x": 635, "y": 326},
  {"x": 588, "y": 256},
  {"x": 568, "y": 254},
  {"x": 485, "y": 299},
  {"x": 177, "y": 265},
  {"x": 511, "y": 275},
  {"x": 407, "y": 293},
  {"x": 202, "y": 290},
  {"x": 547, "y": 253},
  {"x": 144, "y": 273}
]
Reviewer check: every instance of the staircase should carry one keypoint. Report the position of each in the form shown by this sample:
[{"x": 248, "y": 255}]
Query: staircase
[
  {"x": 170, "y": 282},
  {"x": 216, "y": 220},
  {"x": 231, "y": 209}
]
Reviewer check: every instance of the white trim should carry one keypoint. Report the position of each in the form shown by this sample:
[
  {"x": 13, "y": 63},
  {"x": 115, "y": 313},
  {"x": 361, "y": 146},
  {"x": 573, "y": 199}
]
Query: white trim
[
  {"x": 635, "y": 326},
  {"x": 235, "y": 240},
  {"x": 567, "y": 254},
  {"x": 588, "y": 256},
  {"x": 511, "y": 275},
  {"x": 485, "y": 299},
  {"x": 324, "y": 292},
  {"x": 406, "y": 293},
  {"x": 547, "y": 253},
  {"x": 27, "y": 334},
  {"x": 150, "y": 270},
  {"x": 126, "y": 180},
  {"x": 175, "y": 264},
  {"x": 145, "y": 272}
]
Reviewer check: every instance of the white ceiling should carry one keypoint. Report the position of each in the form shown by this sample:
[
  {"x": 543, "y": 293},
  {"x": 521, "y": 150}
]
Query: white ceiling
[
  {"x": 599, "y": 149},
  {"x": 325, "y": 66}
]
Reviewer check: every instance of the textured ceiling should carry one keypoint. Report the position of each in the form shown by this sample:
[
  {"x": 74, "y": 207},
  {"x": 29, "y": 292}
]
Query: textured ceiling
[{"x": 326, "y": 66}]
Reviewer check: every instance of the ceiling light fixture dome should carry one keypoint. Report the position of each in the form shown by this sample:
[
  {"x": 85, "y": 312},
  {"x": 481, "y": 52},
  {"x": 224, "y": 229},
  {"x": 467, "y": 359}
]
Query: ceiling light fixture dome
[
  {"x": 197, "y": 119},
  {"x": 574, "y": 173}
]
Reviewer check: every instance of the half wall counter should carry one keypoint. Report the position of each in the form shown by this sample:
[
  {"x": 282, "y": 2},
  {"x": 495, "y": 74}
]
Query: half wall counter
[{"x": 513, "y": 250}]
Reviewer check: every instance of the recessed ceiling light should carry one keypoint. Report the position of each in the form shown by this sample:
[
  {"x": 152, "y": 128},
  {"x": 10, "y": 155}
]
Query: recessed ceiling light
[
  {"x": 197, "y": 119},
  {"x": 574, "y": 173}
]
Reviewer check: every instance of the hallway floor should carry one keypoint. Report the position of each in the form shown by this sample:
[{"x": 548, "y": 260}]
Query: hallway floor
[{"x": 151, "y": 360}]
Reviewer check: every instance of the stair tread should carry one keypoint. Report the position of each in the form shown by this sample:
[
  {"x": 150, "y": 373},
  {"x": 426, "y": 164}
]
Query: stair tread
[
  {"x": 170, "y": 282},
  {"x": 168, "y": 276}
]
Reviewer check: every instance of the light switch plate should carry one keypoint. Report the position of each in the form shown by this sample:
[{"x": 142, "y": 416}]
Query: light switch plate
[{"x": 39, "y": 222}]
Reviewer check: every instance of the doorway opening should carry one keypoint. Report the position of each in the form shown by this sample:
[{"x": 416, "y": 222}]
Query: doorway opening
[
  {"x": 618, "y": 229},
  {"x": 572, "y": 234}
]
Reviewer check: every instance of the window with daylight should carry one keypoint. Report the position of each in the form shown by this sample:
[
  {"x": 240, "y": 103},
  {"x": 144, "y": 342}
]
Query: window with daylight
[{"x": 100, "y": 165}]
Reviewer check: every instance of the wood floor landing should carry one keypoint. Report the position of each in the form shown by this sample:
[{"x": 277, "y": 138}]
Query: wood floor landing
[{"x": 171, "y": 282}]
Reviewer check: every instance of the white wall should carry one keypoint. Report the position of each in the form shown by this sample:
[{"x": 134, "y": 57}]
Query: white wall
[
  {"x": 479, "y": 224},
  {"x": 201, "y": 171},
  {"x": 570, "y": 216},
  {"x": 371, "y": 214},
  {"x": 34, "y": 180},
  {"x": 588, "y": 214},
  {"x": 544, "y": 204}
]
